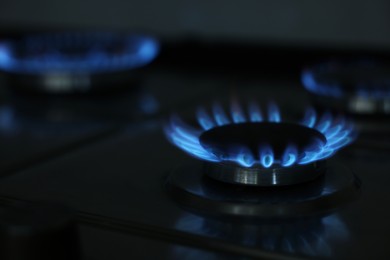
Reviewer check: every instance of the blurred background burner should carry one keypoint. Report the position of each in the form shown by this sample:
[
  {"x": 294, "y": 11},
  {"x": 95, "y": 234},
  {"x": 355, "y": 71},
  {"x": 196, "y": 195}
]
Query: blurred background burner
[
  {"x": 359, "y": 87},
  {"x": 74, "y": 62}
]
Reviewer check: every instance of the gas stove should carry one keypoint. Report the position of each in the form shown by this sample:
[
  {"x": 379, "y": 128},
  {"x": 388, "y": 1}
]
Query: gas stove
[{"x": 269, "y": 173}]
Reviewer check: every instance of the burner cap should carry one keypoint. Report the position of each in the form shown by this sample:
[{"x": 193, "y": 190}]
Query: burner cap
[
  {"x": 225, "y": 141},
  {"x": 257, "y": 139}
]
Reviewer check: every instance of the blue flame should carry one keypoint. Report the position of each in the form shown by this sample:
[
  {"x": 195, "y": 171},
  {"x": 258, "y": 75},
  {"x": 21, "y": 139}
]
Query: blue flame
[
  {"x": 273, "y": 113},
  {"x": 219, "y": 115},
  {"x": 311, "y": 84},
  {"x": 372, "y": 88},
  {"x": 266, "y": 156},
  {"x": 244, "y": 157},
  {"x": 77, "y": 52},
  {"x": 337, "y": 131},
  {"x": 237, "y": 113},
  {"x": 290, "y": 156},
  {"x": 255, "y": 112},
  {"x": 204, "y": 119}
]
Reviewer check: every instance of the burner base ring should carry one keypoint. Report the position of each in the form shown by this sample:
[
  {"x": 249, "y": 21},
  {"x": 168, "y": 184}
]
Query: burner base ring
[
  {"x": 265, "y": 176},
  {"x": 198, "y": 193}
]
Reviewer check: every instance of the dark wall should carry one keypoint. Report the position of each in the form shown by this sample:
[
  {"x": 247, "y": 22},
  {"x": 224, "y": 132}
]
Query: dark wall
[{"x": 319, "y": 22}]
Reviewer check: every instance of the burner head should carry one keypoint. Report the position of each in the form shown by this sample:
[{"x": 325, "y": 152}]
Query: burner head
[
  {"x": 355, "y": 87},
  {"x": 74, "y": 62},
  {"x": 252, "y": 150},
  {"x": 266, "y": 140},
  {"x": 268, "y": 147}
]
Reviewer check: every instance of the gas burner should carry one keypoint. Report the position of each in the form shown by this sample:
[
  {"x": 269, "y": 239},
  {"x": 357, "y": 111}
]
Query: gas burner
[
  {"x": 74, "y": 62},
  {"x": 256, "y": 166},
  {"x": 361, "y": 88},
  {"x": 253, "y": 150}
]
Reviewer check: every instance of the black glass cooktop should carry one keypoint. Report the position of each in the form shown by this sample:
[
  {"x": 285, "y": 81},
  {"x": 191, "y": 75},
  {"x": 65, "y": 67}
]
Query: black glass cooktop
[{"x": 109, "y": 160}]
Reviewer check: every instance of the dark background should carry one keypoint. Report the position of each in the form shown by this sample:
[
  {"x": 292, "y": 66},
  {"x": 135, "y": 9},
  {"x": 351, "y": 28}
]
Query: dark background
[
  {"x": 345, "y": 23},
  {"x": 272, "y": 35}
]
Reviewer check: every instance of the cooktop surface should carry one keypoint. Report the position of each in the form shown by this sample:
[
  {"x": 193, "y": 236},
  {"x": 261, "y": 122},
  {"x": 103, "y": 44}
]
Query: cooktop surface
[{"x": 139, "y": 191}]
